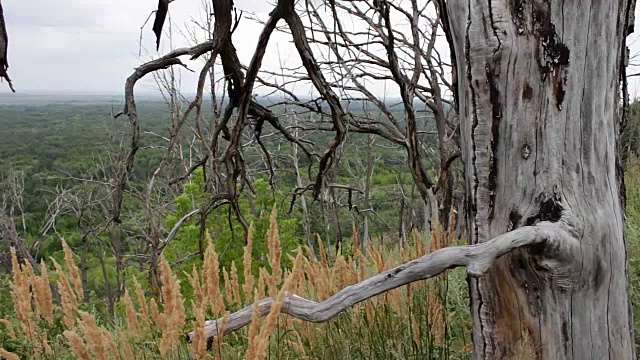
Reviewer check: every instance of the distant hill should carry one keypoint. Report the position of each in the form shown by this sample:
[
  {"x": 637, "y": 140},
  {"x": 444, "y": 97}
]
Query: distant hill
[{"x": 78, "y": 98}]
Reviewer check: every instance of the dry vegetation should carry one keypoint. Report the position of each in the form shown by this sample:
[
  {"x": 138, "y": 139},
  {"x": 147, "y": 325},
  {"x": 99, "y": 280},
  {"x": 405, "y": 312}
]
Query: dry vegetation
[{"x": 52, "y": 321}]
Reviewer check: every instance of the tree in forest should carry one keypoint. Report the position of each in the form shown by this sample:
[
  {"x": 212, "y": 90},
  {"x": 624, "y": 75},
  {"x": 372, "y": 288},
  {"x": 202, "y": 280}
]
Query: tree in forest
[{"x": 537, "y": 90}]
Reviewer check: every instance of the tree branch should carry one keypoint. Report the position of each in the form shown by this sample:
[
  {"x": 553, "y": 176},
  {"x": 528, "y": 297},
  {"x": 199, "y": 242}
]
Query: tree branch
[
  {"x": 4, "y": 44},
  {"x": 330, "y": 158},
  {"x": 130, "y": 109},
  {"x": 556, "y": 241}
]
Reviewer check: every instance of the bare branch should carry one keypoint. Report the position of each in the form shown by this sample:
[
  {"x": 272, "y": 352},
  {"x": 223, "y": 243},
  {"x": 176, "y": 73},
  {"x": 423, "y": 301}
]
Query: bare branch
[
  {"x": 130, "y": 109},
  {"x": 4, "y": 45},
  {"x": 330, "y": 158},
  {"x": 478, "y": 258}
]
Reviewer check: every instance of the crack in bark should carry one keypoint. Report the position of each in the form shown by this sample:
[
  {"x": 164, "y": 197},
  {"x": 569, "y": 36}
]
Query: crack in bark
[
  {"x": 553, "y": 54},
  {"x": 517, "y": 11},
  {"x": 473, "y": 198},
  {"x": 496, "y": 117}
]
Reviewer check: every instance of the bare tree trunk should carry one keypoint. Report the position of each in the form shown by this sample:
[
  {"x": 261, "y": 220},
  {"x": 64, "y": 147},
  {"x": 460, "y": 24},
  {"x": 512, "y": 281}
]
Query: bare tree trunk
[
  {"x": 402, "y": 234},
  {"x": 111, "y": 301},
  {"x": 116, "y": 244},
  {"x": 84, "y": 267},
  {"x": 202, "y": 235},
  {"x": 335, "y": 219},
  {"x": 303, "y": 200},
  {"x": 461, "y": 225},
  {"x": 538, "y": 99},
  {"x": 366, "y": 241},
  {"x": 154, "y": 273},
  {"x": 432, "y": 215},
  {"x": 426, "y": 214}
]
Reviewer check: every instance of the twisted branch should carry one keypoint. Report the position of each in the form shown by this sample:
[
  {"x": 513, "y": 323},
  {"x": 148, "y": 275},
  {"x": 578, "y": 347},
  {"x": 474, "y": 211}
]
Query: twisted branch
[{"x": 555, "y": 241}]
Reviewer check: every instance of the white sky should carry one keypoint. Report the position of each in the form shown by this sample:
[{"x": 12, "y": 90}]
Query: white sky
[{"x": 91, "y": 46}]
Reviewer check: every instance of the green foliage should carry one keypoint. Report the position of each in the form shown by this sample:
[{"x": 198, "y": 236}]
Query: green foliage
[
  {"x": 632, "y": 182},
  {"x": 225, "y": 230},
  {"x": 630, "y": 136},
  {"x": 52, "y": 143}
]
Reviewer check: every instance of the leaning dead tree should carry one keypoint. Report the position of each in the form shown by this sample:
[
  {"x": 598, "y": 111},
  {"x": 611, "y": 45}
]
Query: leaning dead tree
[{"x": 537, "y": 87}]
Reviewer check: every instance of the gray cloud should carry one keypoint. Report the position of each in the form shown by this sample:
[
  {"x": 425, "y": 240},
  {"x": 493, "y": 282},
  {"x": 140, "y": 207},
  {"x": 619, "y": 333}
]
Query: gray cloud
[{"x": 92, "y": 46}]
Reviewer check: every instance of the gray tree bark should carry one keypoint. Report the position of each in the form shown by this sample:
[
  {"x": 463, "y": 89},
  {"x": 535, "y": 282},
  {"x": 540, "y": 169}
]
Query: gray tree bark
[{"x": 538, "y": 98}]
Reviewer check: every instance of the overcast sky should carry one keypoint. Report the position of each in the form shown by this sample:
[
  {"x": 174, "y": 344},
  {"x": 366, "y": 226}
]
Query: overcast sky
[{"x": 91, "y": 46}]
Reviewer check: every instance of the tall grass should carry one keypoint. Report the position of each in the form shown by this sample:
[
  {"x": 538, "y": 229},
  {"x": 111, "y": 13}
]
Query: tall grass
[{"x": 425, "y": 320}]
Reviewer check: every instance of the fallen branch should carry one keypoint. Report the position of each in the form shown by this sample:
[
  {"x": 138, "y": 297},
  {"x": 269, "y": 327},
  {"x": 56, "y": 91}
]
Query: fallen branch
[{"x": 554, "y": 238}]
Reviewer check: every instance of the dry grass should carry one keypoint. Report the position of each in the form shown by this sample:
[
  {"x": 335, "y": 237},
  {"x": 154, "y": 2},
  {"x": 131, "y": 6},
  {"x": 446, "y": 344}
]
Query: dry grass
[
  {"x": 171, "y": 320},
  {"x": 8, "y": 328},
  {"x": 411, "y": 321},
  {"x": 8, "y": 355},
  {"x": 74, "y": 273}
]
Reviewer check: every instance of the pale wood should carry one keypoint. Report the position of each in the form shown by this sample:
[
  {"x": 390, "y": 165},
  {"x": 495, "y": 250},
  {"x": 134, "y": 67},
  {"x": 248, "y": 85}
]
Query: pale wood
[
  {"x": 476, "y": 258},
  {"x": 538, "y": 85}
]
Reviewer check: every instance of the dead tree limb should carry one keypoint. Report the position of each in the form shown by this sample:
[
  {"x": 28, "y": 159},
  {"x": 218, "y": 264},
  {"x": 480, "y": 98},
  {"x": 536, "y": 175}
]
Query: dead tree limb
[
  {"x": 130, "y": 109},
  {"x": 555, "y": 241},
  {"x": 4, "y": 45},
  {"x": 331, "y": 157}
]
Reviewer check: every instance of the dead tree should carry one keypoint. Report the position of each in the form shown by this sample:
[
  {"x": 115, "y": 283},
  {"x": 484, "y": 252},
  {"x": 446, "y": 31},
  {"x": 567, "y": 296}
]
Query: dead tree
[
  {"x": 537, "y": 89},
  {"x": 540, "y": 133},
  {"x": 220, "y": 138},
  {"x": 12, "y": 211},
  {"x": 360, "y": 45}
]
